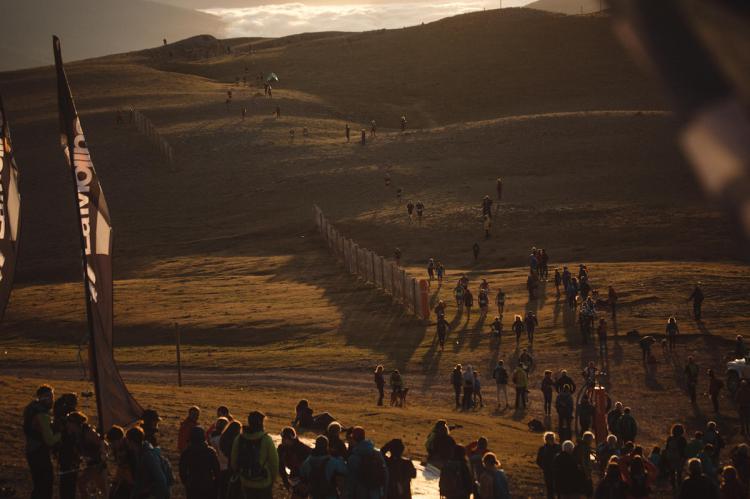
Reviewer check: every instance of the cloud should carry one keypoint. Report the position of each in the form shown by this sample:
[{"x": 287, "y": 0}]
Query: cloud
[{"x": 292, "y": 18}]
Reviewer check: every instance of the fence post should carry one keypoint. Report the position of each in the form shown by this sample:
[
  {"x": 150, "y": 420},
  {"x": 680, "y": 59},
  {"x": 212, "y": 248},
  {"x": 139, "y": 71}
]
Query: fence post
[{"x": 416, "y": 295}]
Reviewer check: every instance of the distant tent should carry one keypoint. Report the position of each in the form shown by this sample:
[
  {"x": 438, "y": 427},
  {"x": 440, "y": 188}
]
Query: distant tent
[{"x": 271, "y": 77}]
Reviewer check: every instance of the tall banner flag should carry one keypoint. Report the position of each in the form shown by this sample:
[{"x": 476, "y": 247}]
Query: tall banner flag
[
  {"x": 114, "y": 402},
  {"x": 10, "y": 212}
]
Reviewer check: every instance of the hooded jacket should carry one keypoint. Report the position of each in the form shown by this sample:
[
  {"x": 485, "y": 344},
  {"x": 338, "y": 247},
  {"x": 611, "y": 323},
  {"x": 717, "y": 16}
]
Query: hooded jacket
[
  {"x": 269, "y": 458},
  {"x": 355, "y": 487}
]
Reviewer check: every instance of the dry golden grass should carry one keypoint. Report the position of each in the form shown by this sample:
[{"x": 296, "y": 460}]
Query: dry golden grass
[{"x": 225, "y": 245}]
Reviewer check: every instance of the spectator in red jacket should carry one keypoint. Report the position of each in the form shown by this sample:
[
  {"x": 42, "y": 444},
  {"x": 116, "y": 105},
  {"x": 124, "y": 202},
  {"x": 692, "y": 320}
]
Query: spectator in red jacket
[{"x": 191, "y": 421}]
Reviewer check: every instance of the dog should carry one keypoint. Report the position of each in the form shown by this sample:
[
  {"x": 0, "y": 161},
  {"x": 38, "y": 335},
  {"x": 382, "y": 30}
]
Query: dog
[{"x": 398, "y": 397}]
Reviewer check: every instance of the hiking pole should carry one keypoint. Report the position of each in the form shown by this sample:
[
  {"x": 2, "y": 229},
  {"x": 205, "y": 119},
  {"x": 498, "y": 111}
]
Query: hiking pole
[{"x": 177, "y": 351}]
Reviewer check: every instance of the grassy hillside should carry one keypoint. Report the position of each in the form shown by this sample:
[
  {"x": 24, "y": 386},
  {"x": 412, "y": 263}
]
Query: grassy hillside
[
  {"x": 91, "y": 28},
  {"x": 223, "y": 246}
]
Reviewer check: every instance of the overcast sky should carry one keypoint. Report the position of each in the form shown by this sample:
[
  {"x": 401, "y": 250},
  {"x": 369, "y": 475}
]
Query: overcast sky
[{"x": 290, "y": 18}]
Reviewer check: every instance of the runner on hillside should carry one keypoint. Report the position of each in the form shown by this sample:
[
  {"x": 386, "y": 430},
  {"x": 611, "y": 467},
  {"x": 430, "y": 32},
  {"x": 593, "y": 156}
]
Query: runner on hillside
[
  {"x": 458, "y": 292},
  {"x": 373, "y": 128},
  {"x": 500, "y": 302},
  {"x": 487, "y": 207},
  {"x": 500, "y": 375},
  {"x": 697, "y": 299},
  {"x": 518, "y": 328},
  {"x": 440, "y": 273},
  {"x": 431, "y": 269},
  {"x": 410, "y": 210},
  {"x": 420, "y": 211},
  {"x": 484, "y": 303},
  {"x": 672, "y": 331},
  {"x": 530, "y": 322},
  {"x": 442, "y": 331},
  {"x": 468, "y": 303},
  {"x": 612, "y": 300},
  {"x": 403, "y": 123}
]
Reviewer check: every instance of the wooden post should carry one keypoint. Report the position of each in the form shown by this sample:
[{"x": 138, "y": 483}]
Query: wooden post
[{"x": 179, "y": 363}]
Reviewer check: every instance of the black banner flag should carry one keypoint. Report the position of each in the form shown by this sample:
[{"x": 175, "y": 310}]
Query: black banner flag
[
  {"x": 10, "y": 211},
  {"x": 114, "y": 402}
]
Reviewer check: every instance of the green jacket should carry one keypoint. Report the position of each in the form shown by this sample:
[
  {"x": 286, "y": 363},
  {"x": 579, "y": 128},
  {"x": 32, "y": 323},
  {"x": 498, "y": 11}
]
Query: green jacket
[{"x": 269, "y": 458}]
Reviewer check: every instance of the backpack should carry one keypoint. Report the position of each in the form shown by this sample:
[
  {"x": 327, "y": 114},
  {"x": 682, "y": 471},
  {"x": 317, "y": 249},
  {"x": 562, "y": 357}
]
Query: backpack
[
  {"x": 672, "y": 452},
  {"x": 166, "y": 467},
  {"x": 248, "y": 460},
  {"x": 320, "y": 486},
  {"x": 500, "y": 375},
  {"x": 452, "y": 480},
  {"x": 372, "y": 470},
  {"x": 639, "y": 485},
  {"x": 487, "y": 485}
]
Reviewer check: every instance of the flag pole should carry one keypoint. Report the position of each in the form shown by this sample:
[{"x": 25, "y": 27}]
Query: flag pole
[{"x": 63, "y": 80}]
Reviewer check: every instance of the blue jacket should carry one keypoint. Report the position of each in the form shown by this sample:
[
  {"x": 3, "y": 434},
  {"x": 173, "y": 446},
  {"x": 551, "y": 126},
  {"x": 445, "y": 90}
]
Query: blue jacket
[
  {"x": 355, "y": 488},
  {"x": 335, "y": 466},
  {"x": 150, "y": 480}
]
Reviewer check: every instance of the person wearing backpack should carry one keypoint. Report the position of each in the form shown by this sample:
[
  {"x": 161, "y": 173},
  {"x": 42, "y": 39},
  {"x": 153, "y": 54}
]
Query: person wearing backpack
[
  {"x": 319, "y": 471},
  {"x": 368, "y": 475},
  {"x": 40, "y": 440},
  {"x": 254, "y": 459},
  {"x": 493, "y": 484},
  {"x": 199, "y": 467},
  {"x": 401, "y": 471},
  {"x": 153, "y": 476},
  {"x": 455, "y": 476},
  {"x": 500, "y": 374},
  {"x": 531, "y": 322}
]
